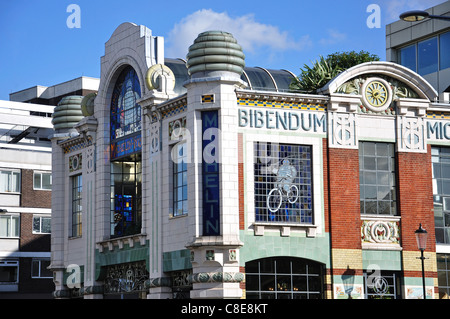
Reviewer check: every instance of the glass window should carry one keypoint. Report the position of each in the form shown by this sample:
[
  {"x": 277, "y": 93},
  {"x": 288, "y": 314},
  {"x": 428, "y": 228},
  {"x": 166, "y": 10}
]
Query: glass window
[
  {"x": 125, "y": 111},
  {"x": 125, "y": 151},
  {"x": 377, "y": 178},
  {"x": 39, "y": 268},
  {"x": 179, "y": 157},
  {"x": 77, "y": 208},
  {"x": 9, "y": 271},
  {"x": 41, "y": 225},
  {"x": 284, "y": 278},
  {"x": 9, "y": 226},
  {"x": 126, "y": 206},
  {"x": 408, "y": 57},
  {"x": 382, "y": 285},
  {"x": 427, "y": 56},
  {"x": 443, "y": 270},
  {"x": 283, "y": 183},
  {"x": 42, "y": 181},
  {"x": 440, "y": 158},
  {"x": 10, "y": 181},
  {"x": 444, "y": 51}
]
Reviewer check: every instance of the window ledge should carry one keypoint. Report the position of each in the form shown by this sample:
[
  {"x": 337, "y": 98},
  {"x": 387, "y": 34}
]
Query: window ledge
[
  {"x": 171, "y": 216},
  {"x": 285, "y": 228},
  {"x": 110, "y": 244}
]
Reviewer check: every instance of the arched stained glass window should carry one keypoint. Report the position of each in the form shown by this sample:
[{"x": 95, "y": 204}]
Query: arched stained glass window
[
  {"x": 126, "y": 115},
  {"x": 125, "y": 130}
]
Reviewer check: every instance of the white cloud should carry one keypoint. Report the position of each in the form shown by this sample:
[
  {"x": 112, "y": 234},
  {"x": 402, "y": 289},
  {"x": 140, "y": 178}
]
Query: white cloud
[
  {"x": 393, "y": 8},
  {"x": 250, "y": 34},
  {"x": 334, "y": 36}
]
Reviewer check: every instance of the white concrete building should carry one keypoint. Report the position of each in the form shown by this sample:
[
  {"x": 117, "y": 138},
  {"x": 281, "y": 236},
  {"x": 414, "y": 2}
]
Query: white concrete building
[{"x": 25, "y": 198}]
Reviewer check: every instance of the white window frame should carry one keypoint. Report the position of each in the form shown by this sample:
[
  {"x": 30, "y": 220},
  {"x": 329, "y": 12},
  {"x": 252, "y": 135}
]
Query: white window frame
[
  {"x": 75, "y": 212},
  {"x": 10, "y": 225},
  {"x": 39, "y": 260},
  {"x": 175, "y": 159},
  {"x": 311, "y": 230},
  {"x": 41, "y": 174},
  {"x": 40, "y": 224},
  {"x": 11, "y": 181}
]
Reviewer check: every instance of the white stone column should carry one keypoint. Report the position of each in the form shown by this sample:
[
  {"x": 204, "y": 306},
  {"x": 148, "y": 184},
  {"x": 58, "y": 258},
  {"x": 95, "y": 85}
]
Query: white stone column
[{"x": 215, "y": 259}]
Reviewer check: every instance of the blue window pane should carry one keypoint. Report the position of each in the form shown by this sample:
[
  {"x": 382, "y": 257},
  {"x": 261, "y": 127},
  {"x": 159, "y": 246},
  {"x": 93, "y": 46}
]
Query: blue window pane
[
  {"x": 125, "y": 112},
  {"x": 427, "y": 56},
  {"x": 282, "y": 183},
  {"x": 180, "y": 200},
  {"x": 444, "y": 50},
  {"x": 408, "y": 57}
]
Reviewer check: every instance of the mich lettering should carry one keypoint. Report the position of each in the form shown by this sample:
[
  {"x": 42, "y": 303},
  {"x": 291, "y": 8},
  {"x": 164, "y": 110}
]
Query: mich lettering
[{"x": 438, "y": 130}]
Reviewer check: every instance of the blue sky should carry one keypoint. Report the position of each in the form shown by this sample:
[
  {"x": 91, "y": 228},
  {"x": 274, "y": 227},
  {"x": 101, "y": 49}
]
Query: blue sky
[{"x": 38, "y": 48}]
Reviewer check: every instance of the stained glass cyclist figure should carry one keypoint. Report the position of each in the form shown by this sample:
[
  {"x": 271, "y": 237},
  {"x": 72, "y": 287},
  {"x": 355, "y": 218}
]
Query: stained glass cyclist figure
[
  {"x": 286, "y": 174},
  {"x": 284, "y": 188}
]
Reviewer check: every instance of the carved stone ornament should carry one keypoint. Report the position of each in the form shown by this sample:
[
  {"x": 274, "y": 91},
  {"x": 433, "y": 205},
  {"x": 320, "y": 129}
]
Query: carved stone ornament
[
  {"x": 128, "y": 277},
  {"x": 380, "y": 232}
]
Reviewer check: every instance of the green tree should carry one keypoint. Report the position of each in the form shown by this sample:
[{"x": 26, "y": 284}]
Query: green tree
[{"x": 323, "y": 70}]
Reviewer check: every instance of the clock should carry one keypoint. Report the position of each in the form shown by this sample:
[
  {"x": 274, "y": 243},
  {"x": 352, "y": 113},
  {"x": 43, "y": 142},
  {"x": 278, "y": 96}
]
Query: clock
[{"x": 376, "y": 94}]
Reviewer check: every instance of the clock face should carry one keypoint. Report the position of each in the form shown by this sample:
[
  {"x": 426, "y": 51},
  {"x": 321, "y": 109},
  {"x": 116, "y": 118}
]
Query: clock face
[{"x": 376, "y": 94}]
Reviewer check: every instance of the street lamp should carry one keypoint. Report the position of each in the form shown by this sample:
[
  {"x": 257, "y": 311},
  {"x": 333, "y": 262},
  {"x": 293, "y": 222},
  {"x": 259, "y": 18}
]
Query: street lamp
[
  {"x": 417, "y": 15},
  {"x": 421, "y": 237}
]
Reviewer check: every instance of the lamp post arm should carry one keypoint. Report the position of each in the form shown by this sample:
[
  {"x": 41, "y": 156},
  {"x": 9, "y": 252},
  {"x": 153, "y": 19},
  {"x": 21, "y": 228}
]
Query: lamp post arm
[{"x": 439, "y": 17}]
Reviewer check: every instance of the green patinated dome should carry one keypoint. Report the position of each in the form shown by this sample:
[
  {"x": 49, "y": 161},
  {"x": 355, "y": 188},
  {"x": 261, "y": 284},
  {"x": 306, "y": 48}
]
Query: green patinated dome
[
  {"x": 215, "y": 51},
  {"x": 68, "y": 112}
]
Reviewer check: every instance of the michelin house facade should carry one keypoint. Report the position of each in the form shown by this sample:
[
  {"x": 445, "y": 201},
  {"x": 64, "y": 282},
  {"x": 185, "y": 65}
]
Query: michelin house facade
[{"x": 203, "y": 178}]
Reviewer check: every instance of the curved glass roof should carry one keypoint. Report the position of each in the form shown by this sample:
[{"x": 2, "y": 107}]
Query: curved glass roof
[
  {"x": 179, "y": 69},
  {"x": 257, "y": 78}
]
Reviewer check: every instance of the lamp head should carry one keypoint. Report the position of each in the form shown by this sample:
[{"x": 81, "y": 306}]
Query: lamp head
[
  {"x": 412, "y": 16},
  {"x": 421, "y": 237}
]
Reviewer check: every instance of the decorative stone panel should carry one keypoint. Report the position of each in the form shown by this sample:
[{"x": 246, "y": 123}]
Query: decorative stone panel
[
  {"x": 411, "y": 134},
  {"x": 380, "y": 232},
  {"x": 343, "y": 130}
]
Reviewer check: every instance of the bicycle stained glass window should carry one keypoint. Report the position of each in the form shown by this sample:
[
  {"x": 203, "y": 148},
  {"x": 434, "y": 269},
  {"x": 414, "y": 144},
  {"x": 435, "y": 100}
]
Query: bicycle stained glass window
[{"x": 283, "y": 183}]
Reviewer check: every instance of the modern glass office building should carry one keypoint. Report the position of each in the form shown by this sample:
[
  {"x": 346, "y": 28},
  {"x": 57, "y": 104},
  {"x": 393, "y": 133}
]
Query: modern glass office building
[{"x": 423, "y": 47}]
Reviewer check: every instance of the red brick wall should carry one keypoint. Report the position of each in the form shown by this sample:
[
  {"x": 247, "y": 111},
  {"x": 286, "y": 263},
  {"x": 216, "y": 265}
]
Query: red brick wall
[
  {"x": 344, "y": 207},
  {"x": 416, "y": 198},
  {"x": 326, "y": 189},
  {"x": 31, "y": 197},
  {"x": 30, "y": 241},
  {"x": 241, "y": 181}
]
